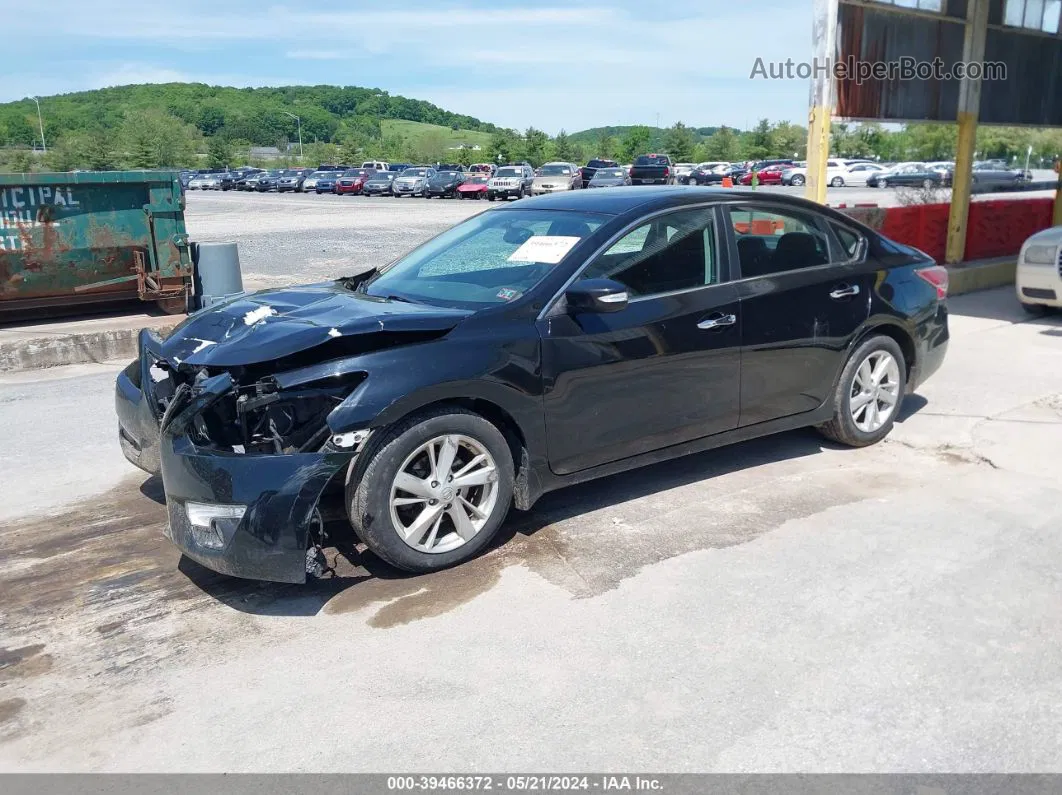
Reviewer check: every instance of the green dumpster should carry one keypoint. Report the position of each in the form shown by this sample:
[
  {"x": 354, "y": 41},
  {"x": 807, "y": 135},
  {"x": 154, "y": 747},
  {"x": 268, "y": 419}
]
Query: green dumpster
[{"x": 88, "y": 237}]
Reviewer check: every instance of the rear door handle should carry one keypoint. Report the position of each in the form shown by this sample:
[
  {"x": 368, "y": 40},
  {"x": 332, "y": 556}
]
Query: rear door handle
[
  {"x": 718, "y": 320},
  {"x": 845, "y": 291}
]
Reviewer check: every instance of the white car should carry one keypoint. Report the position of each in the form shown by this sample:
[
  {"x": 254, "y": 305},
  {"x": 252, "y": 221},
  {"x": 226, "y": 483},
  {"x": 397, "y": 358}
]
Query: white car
[
  {"x": 838, "y": 173},
  {"x": 682, "y": 170},
  {"x": 196, "y": 182},
  {"x": 210, "y": 182},
  {"x": 310, "y": 183},
  {"x": 1038, "y": 280}
]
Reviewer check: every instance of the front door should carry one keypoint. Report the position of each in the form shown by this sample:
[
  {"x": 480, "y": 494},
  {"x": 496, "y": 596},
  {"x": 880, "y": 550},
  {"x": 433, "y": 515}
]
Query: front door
[
  {"x": 802, "y": 300},
  {"x": 666, "y": 368}
]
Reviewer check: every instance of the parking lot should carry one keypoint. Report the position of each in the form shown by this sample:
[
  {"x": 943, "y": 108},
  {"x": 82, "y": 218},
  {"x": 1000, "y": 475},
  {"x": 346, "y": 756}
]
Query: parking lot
[
  {"x": 293, "y": 237},
  {"x": 782, "y": 605}
]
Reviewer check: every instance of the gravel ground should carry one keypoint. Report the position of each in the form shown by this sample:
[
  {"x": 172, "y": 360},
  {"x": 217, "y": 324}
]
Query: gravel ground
[
  {"x": 300, "y": 237},
  {"x": 286, "y": 238}
]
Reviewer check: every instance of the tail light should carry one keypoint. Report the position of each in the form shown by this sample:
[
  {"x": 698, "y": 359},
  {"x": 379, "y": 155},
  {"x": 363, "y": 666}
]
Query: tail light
[
  {"x": 667, "y": 171},
  {"x": 936, "y": 276},
  {"x": 630, "y": 171}
]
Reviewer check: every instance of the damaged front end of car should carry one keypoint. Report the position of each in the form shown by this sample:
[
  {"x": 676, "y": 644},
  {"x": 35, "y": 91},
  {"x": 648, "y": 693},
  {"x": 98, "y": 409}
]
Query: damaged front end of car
[{"x": 243, "y": 442}]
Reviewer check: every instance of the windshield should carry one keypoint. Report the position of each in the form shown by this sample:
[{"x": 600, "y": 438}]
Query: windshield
[
  {"x": 443, "y": 175},
  {"x": 319, "y": 174},
  {"x": 509, "y": 172},
  {"x": 415, "y": 172},
  {"x": 356, "y": 172},
  {"x": 609, "y": 173},
  {"x": 554, "y": 171},
  {"x": 386, "y": 176},
  {"x": 490, "y": 259},
  {"x": 600, "y": 163},
  {"x": 651, "y": 160},
  {"x": 479, "y": 180}
]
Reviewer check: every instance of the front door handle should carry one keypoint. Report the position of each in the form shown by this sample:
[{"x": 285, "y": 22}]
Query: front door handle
[
  {"x": 845, "y": 291},
  {"x": 718, "y": 320}
]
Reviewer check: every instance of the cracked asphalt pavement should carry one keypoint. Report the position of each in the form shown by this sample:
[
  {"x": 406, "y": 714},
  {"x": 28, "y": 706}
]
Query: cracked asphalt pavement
[{"x": 781, "y": 605}]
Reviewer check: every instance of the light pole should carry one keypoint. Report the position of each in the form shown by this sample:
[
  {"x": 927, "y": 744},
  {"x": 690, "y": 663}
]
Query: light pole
[
  {"x": 40, "y": 120},
  {"x": 299, "y": 122}
]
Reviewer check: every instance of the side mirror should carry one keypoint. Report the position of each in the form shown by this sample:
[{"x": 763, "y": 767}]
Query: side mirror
[{"x": 596, "y": 295}]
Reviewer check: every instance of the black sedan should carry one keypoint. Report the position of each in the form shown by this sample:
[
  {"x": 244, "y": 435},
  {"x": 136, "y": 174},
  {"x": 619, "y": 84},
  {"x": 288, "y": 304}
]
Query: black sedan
[
  {"x": 267, "y": 181},
  {"x": 526, "y": 349},
  {"x": 913, "y": 175},
  {"x": 444, "y": 185},
  {"x": 379, "y": 184}
]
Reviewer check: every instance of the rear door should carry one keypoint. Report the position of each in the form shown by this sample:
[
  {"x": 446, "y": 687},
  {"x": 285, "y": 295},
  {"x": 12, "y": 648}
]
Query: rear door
[
  {"x": 803, "y": 298},
  {"x": 665, "y": 369}
]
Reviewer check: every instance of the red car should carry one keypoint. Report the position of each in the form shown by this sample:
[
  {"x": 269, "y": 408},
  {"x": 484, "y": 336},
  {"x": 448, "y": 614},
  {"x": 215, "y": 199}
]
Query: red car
[
  {"x": 772, "y": 175},
  {"x": 475, "y": 187},
  {"x": 353, "y": 180}
]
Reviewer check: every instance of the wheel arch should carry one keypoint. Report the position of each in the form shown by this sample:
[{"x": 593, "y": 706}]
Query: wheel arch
[{"x": 897, "y": 332}]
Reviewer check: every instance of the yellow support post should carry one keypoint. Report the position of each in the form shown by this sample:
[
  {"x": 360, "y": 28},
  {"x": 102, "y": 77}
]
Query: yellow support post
[
  {"x": 973, "y": 51},
  {"x": 960, "y": 188},
  {"x": 818, "y": 153}
]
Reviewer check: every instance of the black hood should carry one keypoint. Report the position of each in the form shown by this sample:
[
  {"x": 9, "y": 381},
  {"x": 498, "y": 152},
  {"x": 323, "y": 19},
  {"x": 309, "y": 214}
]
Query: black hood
[{"x": 268, "y": 325}]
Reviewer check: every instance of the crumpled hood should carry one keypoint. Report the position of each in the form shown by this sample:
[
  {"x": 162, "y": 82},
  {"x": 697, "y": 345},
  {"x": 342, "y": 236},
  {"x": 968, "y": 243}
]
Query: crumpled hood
[{"x": 271, "y": 324}]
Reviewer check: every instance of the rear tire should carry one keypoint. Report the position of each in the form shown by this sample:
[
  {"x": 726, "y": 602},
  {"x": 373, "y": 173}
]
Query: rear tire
[
  {"x": 373, "y": 496},
  {"x": 836, "y": 182},
  {"x": 859, "y": 398},
  {"x": 797, "y": 180}
]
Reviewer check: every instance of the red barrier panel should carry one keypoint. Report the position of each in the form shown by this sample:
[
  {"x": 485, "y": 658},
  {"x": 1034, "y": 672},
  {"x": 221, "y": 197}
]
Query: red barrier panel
[
  {"x": 994, "y": 228},
  {"x": 998, "y": 228}
]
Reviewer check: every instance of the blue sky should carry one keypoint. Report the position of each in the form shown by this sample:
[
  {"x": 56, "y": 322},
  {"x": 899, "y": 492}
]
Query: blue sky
[{"x": 549, "y": 63}]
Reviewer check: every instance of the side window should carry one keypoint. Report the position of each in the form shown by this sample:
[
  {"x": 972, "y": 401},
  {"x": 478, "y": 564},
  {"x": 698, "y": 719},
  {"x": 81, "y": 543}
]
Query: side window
[
  {"x": 672, "y": 252},
  {"x": 775, "y": 241},
  {"x": 849, "y": 240}
]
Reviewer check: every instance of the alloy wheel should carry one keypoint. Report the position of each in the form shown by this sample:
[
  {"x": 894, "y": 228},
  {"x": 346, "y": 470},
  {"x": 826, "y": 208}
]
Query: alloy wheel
[
  {"x": 875, "y": 391},
  {"x": 444, "y": 493}
]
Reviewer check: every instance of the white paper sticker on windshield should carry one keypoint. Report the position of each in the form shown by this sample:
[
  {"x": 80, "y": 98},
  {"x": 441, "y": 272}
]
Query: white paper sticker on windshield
[{"x": 548, "y": 250}]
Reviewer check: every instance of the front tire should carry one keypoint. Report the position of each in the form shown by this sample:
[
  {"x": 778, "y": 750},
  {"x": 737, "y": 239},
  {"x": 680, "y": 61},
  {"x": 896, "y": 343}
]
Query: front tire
[
  {"x": 869, "y": 394},
  {"x": 405, "y": 504},
  {"x": 837, "y": 182}
]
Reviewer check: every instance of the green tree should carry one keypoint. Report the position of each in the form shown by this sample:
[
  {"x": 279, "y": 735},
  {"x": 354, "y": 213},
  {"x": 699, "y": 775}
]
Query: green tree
[
  {"x": 219, "y": 152},
  {"x": 564, "y": 148},
  {"x": 607, "y": 148},
  {"x": 65, "y": 154},
  {"x": 789, "y": 140},
  {"x": 18, "y": 161},
  {"x": 506, "y": 146},
  {"x": 635, "y": 142},
  {"x": 721, "y": 146},
  {"x": 756, "y": 144},
  {"x": 153, "y": 140},
  {"x": 679, "y": 142},
  {"x": 536, "y": 146},
  {"x": 98, "y": 151}
]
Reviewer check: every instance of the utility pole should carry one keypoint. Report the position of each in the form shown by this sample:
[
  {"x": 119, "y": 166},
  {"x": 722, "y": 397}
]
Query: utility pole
[
  {"x": 40, "y": 120},
  {"x": 298, "y": 121}
]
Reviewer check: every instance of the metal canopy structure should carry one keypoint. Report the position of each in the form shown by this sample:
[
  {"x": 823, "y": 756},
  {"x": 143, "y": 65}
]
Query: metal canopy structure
[{"x": 1018, "y": 40}]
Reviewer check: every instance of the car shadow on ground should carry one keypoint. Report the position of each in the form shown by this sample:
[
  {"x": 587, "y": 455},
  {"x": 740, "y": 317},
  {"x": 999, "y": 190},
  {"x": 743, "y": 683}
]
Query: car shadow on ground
[
  {"x": 998, "y": 303},
  {"x": 355, "y": 567}
]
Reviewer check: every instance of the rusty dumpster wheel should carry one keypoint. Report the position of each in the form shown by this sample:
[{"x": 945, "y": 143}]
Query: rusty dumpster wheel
[
  {"x": 435, "y": 491},
  {"x": 173, "y": 306}
]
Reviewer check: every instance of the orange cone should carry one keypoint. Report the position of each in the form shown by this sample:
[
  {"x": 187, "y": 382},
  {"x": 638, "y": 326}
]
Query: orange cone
[{"x": 727, "y": 182}]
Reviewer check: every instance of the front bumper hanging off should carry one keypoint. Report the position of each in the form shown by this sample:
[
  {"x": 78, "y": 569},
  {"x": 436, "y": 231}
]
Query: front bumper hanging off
[{"x": 279, "y": 494}]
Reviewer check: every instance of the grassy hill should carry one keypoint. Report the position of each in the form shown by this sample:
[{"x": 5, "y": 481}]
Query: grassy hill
[
  {"x": 255, "y": 115},
  {"x": 414, "y": 130}
]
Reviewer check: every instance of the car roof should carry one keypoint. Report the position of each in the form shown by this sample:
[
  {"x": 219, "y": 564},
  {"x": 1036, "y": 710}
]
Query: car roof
[{"x": 646, "y": 199}]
